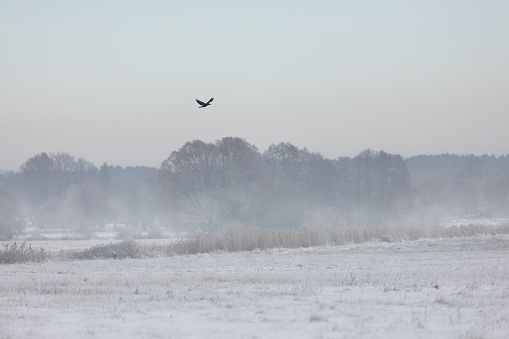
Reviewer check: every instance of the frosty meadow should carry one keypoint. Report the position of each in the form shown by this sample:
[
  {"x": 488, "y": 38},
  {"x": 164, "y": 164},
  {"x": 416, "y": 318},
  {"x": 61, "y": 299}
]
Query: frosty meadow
[
  {"x": 454, "y": 286},
  {"x": 348, "y": 176},
  {"x": 230, "y": 242}
]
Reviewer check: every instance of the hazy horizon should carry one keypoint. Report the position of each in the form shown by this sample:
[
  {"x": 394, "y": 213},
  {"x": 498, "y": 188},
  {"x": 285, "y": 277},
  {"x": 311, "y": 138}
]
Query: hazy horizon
[
  {"x": 116, "y": 82},
  {"x": 157, "y": 164}
]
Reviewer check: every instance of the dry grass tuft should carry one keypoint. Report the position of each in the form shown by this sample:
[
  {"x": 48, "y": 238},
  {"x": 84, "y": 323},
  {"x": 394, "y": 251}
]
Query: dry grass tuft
[
  {"x": 14, "y": 253},
  {"x": 249, "y": 239},
  {"x": 124, "y": 249}
]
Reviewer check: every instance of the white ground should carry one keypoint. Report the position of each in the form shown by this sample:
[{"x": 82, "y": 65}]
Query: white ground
[
  {"x": 455, "y": 221},
  {"x": 448, "y": 288}
]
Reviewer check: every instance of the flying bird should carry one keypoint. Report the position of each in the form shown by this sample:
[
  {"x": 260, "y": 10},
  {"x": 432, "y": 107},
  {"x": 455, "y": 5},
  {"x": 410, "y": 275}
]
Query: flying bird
[{"x": 203, "y": 104}]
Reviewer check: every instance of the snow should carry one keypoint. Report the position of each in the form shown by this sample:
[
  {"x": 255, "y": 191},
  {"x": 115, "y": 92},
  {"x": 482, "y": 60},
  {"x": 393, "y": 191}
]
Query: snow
[
  {"x": 456, "y": 221},
  {"x": 445, "y": 288}
]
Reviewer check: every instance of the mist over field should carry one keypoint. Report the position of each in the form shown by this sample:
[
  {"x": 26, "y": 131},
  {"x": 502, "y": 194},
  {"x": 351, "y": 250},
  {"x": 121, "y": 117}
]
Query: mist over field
[
  {"x": 263, "y": 169},
  {"x": 232, "y": 242},
  {"x": 230, "y": 183},
  {"x": 428, "y": 288}
]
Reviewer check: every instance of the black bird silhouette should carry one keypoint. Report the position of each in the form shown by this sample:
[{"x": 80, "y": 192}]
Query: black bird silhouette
[{"x": 203, "y": 104}]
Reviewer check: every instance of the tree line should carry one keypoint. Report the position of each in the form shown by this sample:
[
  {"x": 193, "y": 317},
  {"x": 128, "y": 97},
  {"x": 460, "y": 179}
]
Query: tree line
[
  {"x": 449, "y": 184},
  {"x": 230, "y": 182}
]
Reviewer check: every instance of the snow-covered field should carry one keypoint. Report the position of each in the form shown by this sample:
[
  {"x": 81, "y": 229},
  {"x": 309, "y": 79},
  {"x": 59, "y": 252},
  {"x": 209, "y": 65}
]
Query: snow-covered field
[
  {"x": 456, "y": 221},
  {"x": 446, "y": 288}
]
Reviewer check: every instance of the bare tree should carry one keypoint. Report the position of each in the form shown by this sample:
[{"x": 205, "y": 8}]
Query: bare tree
[
  {"x": 373, "y": 187},
  {"x": 213, "y": 183},
  {"x": 88, "y": 204},
  {"x": 193, "y": 172},
  {"x": 46, "y": 179},
  {"x": 36, "y": 173},
  {"x": 11, "y": 218},
  {"x": 496, "y": 193},
  {"x": 242, "y": 177}
]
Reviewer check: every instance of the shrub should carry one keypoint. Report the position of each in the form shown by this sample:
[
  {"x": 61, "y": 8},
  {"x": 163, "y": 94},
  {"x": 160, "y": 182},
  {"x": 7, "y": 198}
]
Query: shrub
[
  {"x": 11, "y": 218},
  {"x": 124, "y": 249},
  {"x": 248, "y": 239},
  {"x": 14, "y": 253}
]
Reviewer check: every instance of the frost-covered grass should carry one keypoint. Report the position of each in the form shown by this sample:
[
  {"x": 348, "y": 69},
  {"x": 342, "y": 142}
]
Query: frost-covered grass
[
  {"x": 427, "y": 288},
  {"x": 19, "y": 253},
  {"x": 248, "y": 239}
]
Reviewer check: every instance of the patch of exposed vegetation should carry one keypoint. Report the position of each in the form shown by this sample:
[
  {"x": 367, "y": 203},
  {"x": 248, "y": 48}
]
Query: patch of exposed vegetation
[
  {"x": 20, "y": 253},
  {"x": 121, "y": 250},
  {"x": 248, "y": 239}
]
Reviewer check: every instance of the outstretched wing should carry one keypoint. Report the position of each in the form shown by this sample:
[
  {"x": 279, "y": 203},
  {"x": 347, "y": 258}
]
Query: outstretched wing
[
  {"x": 200, "y": 102},
  {"x": 208, "y": 102}
]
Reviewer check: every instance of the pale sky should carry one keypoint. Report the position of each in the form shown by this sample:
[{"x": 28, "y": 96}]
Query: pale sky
[{"x": 115, "y": 81}]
